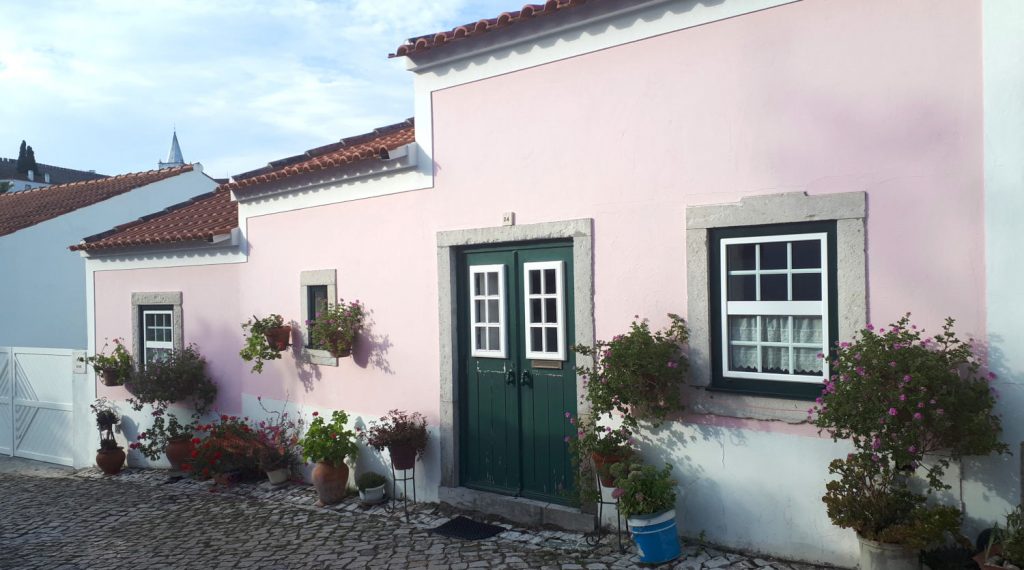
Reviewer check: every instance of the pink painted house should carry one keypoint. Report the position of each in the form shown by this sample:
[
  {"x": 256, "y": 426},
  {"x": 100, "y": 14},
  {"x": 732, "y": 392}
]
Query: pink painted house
[{"x": 574, "y": 164}]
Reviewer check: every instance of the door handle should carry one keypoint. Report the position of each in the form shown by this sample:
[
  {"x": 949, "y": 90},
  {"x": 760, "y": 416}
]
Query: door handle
[
  {"x": 525, "y": 378},
  {"x": 510, "y": 377}
]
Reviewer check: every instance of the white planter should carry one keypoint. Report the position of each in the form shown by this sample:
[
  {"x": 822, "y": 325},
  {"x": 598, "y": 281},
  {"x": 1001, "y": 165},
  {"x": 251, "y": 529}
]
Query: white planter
[
  {"x": 279, "y": 476},
  {"x": 883, "y": 556},
  {"x": 372, "y": 495}
]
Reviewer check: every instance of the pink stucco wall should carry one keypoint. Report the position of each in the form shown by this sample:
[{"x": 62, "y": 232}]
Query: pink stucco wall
[{"x": 815, "y": 96}]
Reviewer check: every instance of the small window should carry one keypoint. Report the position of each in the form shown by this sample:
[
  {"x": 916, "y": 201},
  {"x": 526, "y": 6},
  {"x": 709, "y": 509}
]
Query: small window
[
  {"x": 318, "y": 287},
  {"x": 774, "y": 307},
  {"x": 487, "y": 310},
  {"x": 157, "y": 333},
  {"x": 545, "y": 310},
  {"x": 316, "y": 302}
]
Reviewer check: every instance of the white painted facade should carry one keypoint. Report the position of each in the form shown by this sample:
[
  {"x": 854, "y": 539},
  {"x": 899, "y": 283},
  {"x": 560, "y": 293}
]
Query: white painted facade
[{"x": 44, "y": 303}]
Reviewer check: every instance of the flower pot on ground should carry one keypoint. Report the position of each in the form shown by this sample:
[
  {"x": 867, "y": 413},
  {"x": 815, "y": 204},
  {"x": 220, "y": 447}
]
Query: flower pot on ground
[
  {"x": 166, "y": 436},
  {"x": 371, "y": 488},
  {"x": 404, "y": 435},
  {"x": 110, "y": 456},
  {"x": 876, "y": 555},
  {"x": 1005, "y": 545},
  {"x": 177, "y": 450},
  {"x": 113, "y": 369},
  {"x": 647, "y": 498},
  {"x": 279, "y": 476},
  {"x": 265, "y": 338},
  {"x": 336, "y": 326},
  {"x": 329, "y": 444},
  {"x": 278, "y": 438}
]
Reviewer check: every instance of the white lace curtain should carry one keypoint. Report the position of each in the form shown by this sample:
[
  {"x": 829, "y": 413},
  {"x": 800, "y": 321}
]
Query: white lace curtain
[{"x": 806, "y": 330}]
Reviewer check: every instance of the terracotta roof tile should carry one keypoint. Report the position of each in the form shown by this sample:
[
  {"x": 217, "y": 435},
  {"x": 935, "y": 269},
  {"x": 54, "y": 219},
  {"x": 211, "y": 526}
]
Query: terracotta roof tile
[
  {"x": 476, "y": 29},
  {"x": 19, "y": 210},
  {"x": 215, "y": 213},
  {"x": 201, "y": 218},
  {"x": 374, "y": 144}
]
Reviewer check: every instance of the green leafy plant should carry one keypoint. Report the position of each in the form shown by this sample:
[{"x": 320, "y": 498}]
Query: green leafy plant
[
  {"x": 898, "y": 396},
  {"x": 257, "y": 348},
  {"x": 106, "y": 418},
  {"x": 369, "y": 480},
  {"x": 166, "y": 427},
  {"x": 639, "y": 374},
  {"x": 329, "y": 442},
  {"x": 873, "y": 498},
  {"x": 226, "y": 445},
  {"x": 336, "y": 326},
  {"x": 181, "y": 377},
  {"x": 396, "y": 428},
  {"x": 118, "y": 363},
  {"x": 643, "y": 489}
]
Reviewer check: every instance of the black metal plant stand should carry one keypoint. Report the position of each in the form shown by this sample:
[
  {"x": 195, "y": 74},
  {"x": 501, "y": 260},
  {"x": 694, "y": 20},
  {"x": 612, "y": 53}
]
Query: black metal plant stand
[
  {"x": 595, "y": 539},
  {"x": 408, "y": 475}
]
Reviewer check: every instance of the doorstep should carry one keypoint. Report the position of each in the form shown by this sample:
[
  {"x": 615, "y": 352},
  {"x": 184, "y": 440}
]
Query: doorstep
[{"x": 517, "y": 509}]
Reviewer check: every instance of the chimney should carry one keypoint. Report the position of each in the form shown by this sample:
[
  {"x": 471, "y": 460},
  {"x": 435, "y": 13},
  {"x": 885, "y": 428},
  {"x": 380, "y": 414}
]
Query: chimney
[
  {"x": 31, "y": 176},
  {"x": 46, "y": 177}
]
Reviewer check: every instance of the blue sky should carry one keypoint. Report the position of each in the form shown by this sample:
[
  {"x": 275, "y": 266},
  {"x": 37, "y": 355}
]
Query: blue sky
[{"x": 101, "y": 84}]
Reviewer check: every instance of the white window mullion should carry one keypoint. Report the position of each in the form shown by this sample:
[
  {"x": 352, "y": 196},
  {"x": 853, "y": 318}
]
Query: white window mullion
[
  {"x": 482, "y": 324},
  {"x": 547, "y": 321}
]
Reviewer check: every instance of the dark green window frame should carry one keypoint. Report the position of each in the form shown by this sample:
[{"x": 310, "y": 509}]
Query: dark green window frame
[{"x": 720, "y": 381}]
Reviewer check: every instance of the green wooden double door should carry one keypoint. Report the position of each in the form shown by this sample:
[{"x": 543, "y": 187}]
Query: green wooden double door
[{"x": 517, "y": 375}]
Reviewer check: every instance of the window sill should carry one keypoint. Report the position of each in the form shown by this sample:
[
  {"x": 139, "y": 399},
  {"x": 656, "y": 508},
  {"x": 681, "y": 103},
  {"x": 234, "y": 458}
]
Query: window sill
[
  {"x": 702, "y": 400},
  {"x": 319, "y": 357}
]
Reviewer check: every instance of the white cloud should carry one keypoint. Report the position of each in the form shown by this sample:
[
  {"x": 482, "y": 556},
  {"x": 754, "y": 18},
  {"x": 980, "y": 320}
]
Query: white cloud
[{"x": 99, "y": 85}]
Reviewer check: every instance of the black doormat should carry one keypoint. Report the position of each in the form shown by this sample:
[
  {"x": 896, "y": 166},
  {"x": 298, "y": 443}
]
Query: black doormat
[{"x": 467, "y": 529}]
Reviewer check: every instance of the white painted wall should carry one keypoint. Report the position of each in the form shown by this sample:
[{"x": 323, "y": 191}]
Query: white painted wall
[
  {"x": 993, "y": 485},
  {"x": 43, "y": 301}
]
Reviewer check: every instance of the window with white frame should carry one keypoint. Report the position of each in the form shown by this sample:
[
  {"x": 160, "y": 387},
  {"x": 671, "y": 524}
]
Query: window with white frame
[
  {"x": 545, "y": 310},
  {"x": 487, "y": 310},
  {"x": 157, "y": 332},
  {"x": 774, "y": 307}
]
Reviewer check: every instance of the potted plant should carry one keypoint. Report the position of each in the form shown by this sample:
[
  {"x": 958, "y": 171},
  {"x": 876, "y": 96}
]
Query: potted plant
[
  {"x": 114, "y": 369},
  {"x": 403, "y": 434},
  {"x": 180, "y": 377},
  {"x": 228, "y": 451},
  {"x": 336, "y": 326},
  {"x": 1005, "y": 546},
  {"x": 328, "y": 444},
  {"x": 647, "y": 498},
  {"x": 110, "y": 456},
  {"x": 898, "y": 396},
  {"x": 264, "y": 340},
  {"x": 279, "y": 440},
  {"x": 639, "y": 374},
  {"x": 371, "y": 488},
  {"x": 168, "y": 436},
  {"x": 603, "y": 445}
]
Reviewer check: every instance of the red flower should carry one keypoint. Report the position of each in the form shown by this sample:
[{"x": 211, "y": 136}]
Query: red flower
[
  {"x": 195, "y": 454},
  {"x": 224, "y": 418},
  {"x": 217, "y": 455},
  {"x": 186, "y": 466},
  {"x": 196, "y": 440},
  {"x": 134, "y": 445},
  {"x": 315, "y": 414}
]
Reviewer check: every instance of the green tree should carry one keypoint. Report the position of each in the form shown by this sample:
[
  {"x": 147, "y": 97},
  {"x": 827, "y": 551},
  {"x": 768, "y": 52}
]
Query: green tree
[
  {"x": 30, "y": 161},
  {"x": 5, "y": 187},
  {"x": 22, "y": 152}
]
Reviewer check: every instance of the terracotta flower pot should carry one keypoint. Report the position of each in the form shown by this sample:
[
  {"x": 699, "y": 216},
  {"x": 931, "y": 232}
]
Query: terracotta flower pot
[
  {"x": 603, "y": 463},
  {"x": 110, "y": 461},
  {"x": 330, "y": 482},
  {"x": 403, "y": 456},
  {"x": 177, "y": 451},
  {"x": 279, "y": 337}
]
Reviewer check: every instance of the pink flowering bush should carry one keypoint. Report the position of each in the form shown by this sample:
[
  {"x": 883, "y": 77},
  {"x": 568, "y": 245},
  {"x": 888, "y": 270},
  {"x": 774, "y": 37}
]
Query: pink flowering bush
[
  {"x": 639, "y": 374},
  {"x": 336, "y": 326},
  {"x": 898, "y": 396}
]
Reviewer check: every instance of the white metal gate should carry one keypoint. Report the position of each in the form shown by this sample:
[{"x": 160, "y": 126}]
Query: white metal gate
[{"x": 36, "y": 412}]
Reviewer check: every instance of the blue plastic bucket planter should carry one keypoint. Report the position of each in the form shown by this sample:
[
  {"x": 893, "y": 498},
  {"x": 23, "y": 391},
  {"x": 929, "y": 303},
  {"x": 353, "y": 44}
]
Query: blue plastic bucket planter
[{"x": 656, "y": 537}]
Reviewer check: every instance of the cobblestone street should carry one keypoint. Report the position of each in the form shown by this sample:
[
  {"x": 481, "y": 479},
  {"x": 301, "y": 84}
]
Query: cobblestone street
[{"x": 59, "y": 519}]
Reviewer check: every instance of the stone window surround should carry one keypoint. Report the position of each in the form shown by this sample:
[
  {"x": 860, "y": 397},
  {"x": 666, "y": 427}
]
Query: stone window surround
[
  {"x": 448, "y": 244},
  {"x": 172, "y": 298},
  {"x": 328, "y": 277},
  {"x": 848, "y": 210}
]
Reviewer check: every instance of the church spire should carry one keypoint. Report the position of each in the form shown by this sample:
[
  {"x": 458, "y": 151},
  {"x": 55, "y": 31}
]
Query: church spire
[{"x": 174, "y": 155}]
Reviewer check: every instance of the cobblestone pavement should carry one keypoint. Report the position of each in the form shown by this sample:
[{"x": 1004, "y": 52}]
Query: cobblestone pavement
[{"x": 140, "y": 518}]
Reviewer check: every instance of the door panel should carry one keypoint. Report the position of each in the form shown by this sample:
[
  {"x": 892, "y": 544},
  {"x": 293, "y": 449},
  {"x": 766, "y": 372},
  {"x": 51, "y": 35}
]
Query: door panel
[{"x": 513, "y": 397}]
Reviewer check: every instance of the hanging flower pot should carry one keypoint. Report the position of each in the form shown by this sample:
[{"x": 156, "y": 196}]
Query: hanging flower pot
[
  {"x": 340, "y": 352},
  {"x": 109, "y": 377},
  {"x": 403, "y": 455},
  {"x": 603, "y": 463},
  {"x": 336, "y": 326},
  {"x": 279, "y": 337}
]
